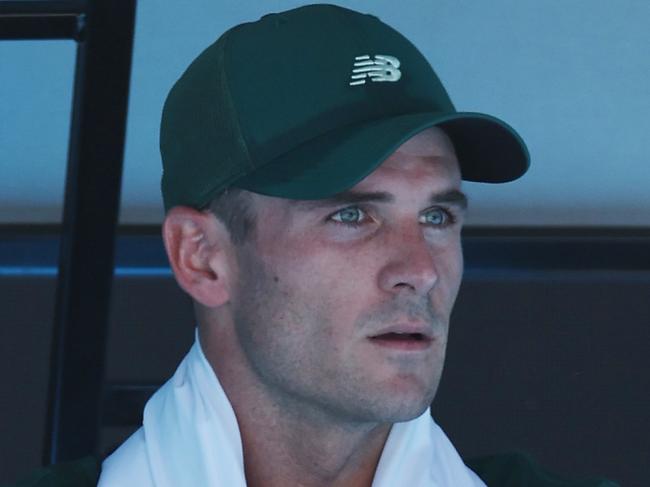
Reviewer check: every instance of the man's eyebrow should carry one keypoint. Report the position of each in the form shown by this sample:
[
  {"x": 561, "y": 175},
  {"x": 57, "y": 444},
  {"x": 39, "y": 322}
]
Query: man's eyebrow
[
  {"x": 349, "y": 197},
  {"x": 453, "y": 197}
]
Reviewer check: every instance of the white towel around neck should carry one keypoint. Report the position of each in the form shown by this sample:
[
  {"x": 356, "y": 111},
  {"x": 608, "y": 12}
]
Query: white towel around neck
[{"x": 190, "y": 438}]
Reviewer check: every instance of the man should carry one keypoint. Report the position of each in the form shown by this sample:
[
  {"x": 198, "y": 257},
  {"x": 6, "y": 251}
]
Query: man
[{"x": 312, "y": 181}]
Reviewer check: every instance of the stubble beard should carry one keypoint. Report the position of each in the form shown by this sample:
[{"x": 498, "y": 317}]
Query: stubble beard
[{"x": 287, "y": 370}]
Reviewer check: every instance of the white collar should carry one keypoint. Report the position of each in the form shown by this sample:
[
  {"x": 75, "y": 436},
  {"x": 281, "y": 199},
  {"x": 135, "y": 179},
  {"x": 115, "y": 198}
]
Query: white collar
[{"x": 190, "y": 438}]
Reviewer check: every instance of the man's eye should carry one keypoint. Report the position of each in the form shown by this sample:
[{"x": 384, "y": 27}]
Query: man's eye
[
  {"x": 436, "y": 217},
  {"x": 349, "y": 216}
]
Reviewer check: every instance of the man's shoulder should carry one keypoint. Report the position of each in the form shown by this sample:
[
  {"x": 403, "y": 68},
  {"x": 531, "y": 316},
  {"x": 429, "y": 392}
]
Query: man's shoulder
[
  {"x": 504, "y": 470},
  {"x": 130, "y": 462},
  {"x": 79, "y": 473},
  {"x": 126, "y": 462},
  {"x": 518, "y": 469}
]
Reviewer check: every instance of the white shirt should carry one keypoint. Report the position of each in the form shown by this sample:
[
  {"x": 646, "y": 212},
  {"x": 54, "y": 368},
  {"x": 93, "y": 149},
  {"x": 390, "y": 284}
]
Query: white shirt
[{"x": 190, "y": 437}]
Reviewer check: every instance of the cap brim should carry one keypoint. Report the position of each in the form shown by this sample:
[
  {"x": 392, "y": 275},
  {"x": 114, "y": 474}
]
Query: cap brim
[{"x": 488, "y": 150}]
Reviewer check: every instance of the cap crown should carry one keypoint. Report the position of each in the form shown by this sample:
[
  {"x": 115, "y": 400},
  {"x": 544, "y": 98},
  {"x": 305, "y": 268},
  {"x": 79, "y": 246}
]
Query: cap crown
[{"x": 266, "y": 87}]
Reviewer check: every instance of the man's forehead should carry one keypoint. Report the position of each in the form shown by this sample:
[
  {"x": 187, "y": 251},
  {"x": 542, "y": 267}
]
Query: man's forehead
[
  {"x": 429, "y": 155},
  {"x": 451, "y": 196},
  {"x": 431, "y": 144},
  {"x": 437, "y": 180}
]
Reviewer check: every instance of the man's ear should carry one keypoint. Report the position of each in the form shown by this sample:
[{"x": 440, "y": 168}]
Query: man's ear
[{"x": 201, "y": 254}]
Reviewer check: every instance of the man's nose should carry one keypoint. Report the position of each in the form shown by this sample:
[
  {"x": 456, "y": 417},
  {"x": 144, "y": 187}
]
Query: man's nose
[{"x": 409, "y": 262}]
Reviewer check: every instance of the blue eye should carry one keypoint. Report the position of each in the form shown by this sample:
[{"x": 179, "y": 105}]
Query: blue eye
[
  {"x": 349, "y": 216},
  {"x": 436, "y": 217}
]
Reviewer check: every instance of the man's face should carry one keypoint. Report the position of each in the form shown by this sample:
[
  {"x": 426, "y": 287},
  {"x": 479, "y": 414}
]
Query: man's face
[{"x": 342, "y": 306}]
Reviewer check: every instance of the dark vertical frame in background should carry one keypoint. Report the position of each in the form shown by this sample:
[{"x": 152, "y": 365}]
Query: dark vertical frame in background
[{"x": 103, "y": 30}]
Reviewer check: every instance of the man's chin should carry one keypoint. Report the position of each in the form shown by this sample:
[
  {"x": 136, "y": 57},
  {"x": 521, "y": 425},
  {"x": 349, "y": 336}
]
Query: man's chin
[
  {"x": 410, "y": 412},
  {"x": 397, "y": 409},
  {"x": 382, "y": 409}
]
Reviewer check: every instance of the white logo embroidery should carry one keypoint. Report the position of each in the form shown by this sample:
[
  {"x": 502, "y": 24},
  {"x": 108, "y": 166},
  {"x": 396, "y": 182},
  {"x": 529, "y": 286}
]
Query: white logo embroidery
[{"x": 381, "y": 68}]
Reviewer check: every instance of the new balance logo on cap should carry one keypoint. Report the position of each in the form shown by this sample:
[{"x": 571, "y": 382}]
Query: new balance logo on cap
[{"x": 381, "y": 68}]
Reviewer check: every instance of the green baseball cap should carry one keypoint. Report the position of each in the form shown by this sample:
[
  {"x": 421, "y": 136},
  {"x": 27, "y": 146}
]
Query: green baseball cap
[{"x": 304, "y": 104}]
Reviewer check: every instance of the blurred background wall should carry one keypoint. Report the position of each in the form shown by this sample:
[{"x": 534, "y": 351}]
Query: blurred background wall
[{"x": 549, "y": 359}]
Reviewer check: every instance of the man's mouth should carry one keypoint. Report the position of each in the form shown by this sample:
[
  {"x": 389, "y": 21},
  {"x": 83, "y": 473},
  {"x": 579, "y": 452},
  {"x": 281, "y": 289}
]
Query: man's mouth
[
  {"x": 400, "y": 336},
  {"x": 407, "y": 341}
]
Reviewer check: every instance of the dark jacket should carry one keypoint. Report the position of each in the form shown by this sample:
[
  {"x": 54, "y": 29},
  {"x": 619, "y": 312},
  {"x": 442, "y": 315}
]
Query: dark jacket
[{"x": 508, "y": 470}]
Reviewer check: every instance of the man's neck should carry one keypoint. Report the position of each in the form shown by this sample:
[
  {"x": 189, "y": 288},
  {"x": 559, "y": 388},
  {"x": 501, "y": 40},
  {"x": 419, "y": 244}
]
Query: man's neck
[
  {"x": 288, "y": 452},
  {"x": 287, "y": 444}
]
